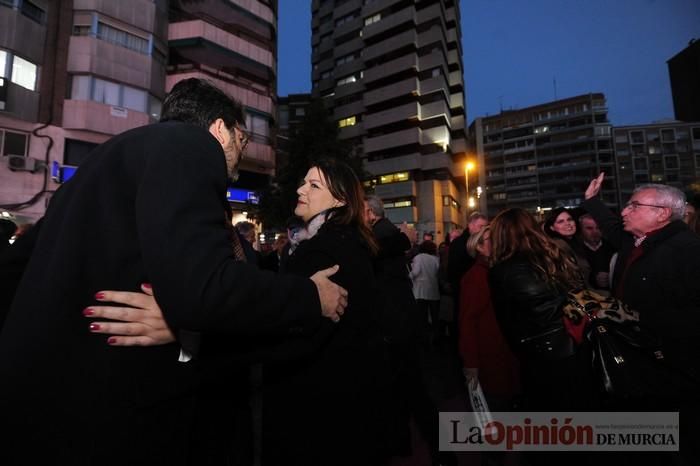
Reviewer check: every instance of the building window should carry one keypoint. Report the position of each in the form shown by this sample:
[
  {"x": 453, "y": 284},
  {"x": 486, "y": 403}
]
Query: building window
[
  {"x": 350, "y": 121},
  {"x": 122, "y": 38},
  {"x": 28, "y": 9},
  {"x": 12, "y": 143},
  {"x": 637, "y": 137},
  {"x": 345, "y": 19},
  {"x": 696, "y": 134},
  {"x": 449, "y": 201},
  {"x": 107, "y": 92},
  {"x": 640, "y": 163},
  {"x": 4, "y": 57},
  {"x": 397, "y": 204},
  {"x": 602, "y": 130},
  {"x": 394, "y": 178},
  {"x": 499, "y": 196},
  {"x": 373, "y": 19},
  {"x": 671, "y": 162},
  {"x": 299, "y": 112},
  {"x": 668, "y": 148},
  {"x": 667, "y": 135},
  {"x": 21, "y": 72},
  {"x": 326, "y": 74},
  {"x": 347, "y": 80},
  {"x": 345, "y": 59},
  {"x": 75, "y": 151},
  {"x": 258, "y": 127},
  {"x": 111, "y": 93},
  {"x": 115, "y": 35}
]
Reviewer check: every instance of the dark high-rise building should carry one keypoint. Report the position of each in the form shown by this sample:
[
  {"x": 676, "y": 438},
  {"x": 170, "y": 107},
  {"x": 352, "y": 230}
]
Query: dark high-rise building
[
  {"x": 544, "y": 156},
  {"x": 665, "y": 152},
  {"x": 291, "y": 111},
  {"x": 684, "y": 71},
  {"x": 391, "y": 71}
]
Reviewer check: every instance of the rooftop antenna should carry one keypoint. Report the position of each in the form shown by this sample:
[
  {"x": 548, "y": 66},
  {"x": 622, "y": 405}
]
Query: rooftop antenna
[
  {"x": 554, "y": 82},
  {"x": 500, "y": 103}
]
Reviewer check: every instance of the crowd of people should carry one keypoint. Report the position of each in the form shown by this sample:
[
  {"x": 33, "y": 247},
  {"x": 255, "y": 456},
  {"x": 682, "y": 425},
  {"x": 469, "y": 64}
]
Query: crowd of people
[{"x": 140, "y": 313}]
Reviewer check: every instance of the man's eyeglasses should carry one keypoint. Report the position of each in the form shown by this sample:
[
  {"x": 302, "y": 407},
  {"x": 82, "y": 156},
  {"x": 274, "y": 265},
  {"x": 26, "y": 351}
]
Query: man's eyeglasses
[{"x": 634, "y": 205}]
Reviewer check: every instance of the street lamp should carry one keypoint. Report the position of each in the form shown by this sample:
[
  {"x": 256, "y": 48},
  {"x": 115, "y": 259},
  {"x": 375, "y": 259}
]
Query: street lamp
[{"x": 467, "y": 167}]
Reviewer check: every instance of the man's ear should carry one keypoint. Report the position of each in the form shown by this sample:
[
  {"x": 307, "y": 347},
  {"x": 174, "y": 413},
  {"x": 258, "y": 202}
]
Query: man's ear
[
  {"x": 665, "y": 215},
  {"x": 219, "y": 130}
]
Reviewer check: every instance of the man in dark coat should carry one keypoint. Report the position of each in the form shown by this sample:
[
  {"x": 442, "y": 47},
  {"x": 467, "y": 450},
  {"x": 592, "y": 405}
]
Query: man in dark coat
[
  {"x": 148, "y": 206},
  {"x": 597, "y": 251},
  {"x": 657, "y": 273},
  {"x": 401, "y": 323}
]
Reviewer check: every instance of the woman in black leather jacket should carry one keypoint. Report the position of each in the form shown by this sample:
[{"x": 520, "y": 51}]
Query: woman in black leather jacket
[{"x": 529, "y": 278}]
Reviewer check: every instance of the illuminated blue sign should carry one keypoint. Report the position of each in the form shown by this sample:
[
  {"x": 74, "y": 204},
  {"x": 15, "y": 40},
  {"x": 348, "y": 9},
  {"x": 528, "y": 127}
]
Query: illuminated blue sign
[
  {"x": 61, "y": 174},
  {"x": 241, "y": 195}
]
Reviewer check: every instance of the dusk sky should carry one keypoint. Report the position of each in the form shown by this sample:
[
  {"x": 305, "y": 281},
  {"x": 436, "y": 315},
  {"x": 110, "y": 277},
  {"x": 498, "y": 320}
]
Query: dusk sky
[{"x": 514, "y": 50}]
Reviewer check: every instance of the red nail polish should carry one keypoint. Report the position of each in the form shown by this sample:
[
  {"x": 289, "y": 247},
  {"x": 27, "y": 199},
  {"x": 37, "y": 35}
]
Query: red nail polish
[
  {"x": 99, "y": 295},
  {"x": 111, "y": 340},
  {"x": 88, "y": 312},
  {"x": 147, "y": 285},
  {"x": 94, "y": 327}
]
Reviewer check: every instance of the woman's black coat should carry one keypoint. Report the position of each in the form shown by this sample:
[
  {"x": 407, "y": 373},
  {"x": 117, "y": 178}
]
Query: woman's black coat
[
  {"x": 556, "y": 375},
  {"x": 319, "y": 405}
]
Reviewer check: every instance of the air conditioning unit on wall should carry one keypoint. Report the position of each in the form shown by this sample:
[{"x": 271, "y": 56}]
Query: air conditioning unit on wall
[{"x": 20, "y": 163}]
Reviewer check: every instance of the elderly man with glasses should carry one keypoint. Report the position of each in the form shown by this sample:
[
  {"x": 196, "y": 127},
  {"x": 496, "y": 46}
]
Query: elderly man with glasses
[{"x": 658, "y": 275}]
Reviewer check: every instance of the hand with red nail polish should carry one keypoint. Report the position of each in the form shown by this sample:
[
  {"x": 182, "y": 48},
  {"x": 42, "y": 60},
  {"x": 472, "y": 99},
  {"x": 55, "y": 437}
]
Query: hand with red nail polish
[{"x": 139, "y": 322}]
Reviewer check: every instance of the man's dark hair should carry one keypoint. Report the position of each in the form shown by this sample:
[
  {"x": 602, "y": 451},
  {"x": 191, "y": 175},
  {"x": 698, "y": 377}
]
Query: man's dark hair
[
  {"x": 200, "y": 103},
  {"x": 427, "y": 247}
]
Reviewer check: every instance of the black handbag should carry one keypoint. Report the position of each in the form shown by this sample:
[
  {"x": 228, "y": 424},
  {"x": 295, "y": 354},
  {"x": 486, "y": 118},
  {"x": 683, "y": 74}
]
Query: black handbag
[
  {"x": 628, "y": 358},
  {"x": 632, "y": 370}
]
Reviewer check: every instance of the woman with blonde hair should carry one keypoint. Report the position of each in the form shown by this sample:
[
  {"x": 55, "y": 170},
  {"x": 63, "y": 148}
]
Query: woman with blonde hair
[
  {"x": 485, "y": 355},
  {"x": 529, "y": 279}
]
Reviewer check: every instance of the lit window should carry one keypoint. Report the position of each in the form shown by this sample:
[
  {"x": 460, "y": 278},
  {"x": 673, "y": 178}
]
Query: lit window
[
  {"x": 393, "y": 178},
  {"x": 373, "y": 19},
  {"x": 3, "y": 63},
  {"x": 398, "y": 203},
  {"x": 347, "y": 80},
  {"x": 350, "y": 121},
  {"x": 24, "y": 73}
]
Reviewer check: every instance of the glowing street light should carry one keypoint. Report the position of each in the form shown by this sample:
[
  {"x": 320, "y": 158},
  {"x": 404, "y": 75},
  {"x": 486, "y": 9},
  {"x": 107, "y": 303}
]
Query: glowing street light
[{"x": 467, "y": 168}]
